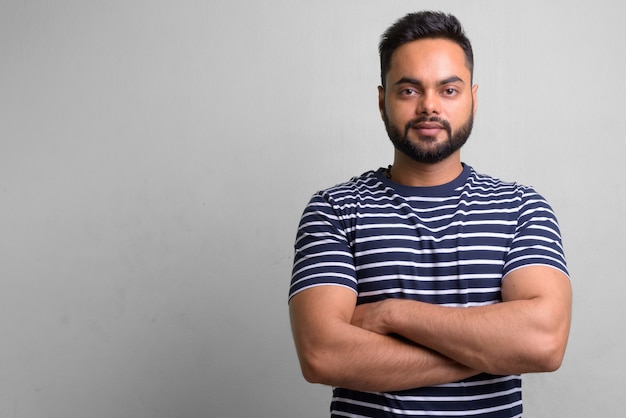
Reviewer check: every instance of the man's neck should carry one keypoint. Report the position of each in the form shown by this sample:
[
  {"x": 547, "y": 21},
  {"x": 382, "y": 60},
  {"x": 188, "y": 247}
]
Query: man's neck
[{"x": 408, "y": 172}]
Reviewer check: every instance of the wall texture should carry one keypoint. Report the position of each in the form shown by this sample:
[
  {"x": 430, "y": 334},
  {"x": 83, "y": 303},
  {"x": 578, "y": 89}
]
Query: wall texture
[{"x": 156, "y": 156}]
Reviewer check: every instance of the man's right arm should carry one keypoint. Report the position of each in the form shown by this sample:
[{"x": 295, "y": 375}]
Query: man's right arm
[{"x": 334, "y": 352}]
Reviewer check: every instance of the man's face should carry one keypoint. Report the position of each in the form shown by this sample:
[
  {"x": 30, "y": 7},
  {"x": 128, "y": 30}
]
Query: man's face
[{"x": 428, "y": 104}]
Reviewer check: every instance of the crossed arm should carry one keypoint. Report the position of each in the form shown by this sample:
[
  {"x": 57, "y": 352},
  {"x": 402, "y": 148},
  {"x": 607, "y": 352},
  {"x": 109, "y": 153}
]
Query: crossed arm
[
  {"x": 342, "y": 345},
  {"x": 334, "y": 352}
]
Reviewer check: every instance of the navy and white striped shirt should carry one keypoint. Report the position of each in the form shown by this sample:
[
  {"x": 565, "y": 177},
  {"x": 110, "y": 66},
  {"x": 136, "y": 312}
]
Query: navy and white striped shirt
[{"x": 448, "y": 245}]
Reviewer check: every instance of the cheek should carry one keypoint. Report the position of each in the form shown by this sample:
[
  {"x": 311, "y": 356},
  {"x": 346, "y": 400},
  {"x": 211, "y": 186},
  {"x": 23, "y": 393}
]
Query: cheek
[
  {"x": 400, "y": 112},
  {"x": 461, "y": 112}
]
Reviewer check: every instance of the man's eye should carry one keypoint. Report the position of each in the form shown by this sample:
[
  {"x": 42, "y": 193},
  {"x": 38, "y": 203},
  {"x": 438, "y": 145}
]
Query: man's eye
[
  {"x": 408, "y": 92},
  {"x": 450, "y": 92}
]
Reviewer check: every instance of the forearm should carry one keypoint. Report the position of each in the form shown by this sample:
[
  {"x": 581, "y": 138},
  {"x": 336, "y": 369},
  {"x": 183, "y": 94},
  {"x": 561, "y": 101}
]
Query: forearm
[
  {"x": 358, "y": 359},
  {"x": 505, "y": 338},
  {"x": 527, "y": 332}
]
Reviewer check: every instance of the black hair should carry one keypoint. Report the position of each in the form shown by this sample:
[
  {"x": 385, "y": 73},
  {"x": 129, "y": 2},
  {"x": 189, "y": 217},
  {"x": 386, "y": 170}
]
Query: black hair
[{"x": 422, "y": 25}]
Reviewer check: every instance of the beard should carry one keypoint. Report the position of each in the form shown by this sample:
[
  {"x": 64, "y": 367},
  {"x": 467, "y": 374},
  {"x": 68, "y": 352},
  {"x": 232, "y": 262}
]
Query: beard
[{"x": 425, "y": 149}]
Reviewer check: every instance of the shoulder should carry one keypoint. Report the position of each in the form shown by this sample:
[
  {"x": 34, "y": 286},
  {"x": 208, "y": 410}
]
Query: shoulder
[
  {"x": 367, "y": 180},
  {"x": 518, "y": 194},
  {"x": 522, "y": 202},
  {"x": 343, "y": 200},
  {"x": 481, "y": 181},
  {"x": 358, "y": 187}
]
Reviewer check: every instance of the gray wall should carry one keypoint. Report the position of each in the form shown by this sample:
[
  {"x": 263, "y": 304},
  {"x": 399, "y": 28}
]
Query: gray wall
[{"x": 156, "y": 156}]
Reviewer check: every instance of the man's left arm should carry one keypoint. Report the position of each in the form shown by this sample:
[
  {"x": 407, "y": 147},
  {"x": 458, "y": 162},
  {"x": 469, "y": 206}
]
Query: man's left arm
[{"x": 526, "y": 332}]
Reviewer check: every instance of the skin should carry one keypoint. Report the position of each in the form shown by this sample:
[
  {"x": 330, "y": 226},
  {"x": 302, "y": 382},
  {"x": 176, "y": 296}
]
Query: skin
[
  {"x": 427, "y": 78},
  {"x": 525, "y": 333},
  {"x": 340, "y": 344}
]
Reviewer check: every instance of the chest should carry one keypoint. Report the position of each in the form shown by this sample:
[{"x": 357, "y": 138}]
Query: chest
[{"x": 445, "y": 252}]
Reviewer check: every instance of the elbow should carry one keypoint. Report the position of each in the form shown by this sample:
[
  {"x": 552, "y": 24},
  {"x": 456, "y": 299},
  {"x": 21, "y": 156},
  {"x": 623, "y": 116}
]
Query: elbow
[
  {"x": 539, "y": 357},
  {"x": 554, "y": 358},
  {"x": 314, "y": 368},
  {"x": 550, "y": 355},
  {"x": 546, "y": 349},
  {"x": 310, "y": 370},
  {"x": 312, "y": 375}
]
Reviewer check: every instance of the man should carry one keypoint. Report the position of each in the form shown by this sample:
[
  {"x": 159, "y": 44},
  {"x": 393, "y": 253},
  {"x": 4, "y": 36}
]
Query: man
[{"x": 426, "y": 288}]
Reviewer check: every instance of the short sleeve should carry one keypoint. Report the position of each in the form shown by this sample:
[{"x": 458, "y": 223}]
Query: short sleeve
[
  {"x": 322, "y": 251},
  {"x": 537, "y": 239}
]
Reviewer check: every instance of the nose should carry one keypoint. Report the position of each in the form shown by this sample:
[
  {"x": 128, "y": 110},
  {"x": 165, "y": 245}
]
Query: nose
[{"x": 429, "y": 104}]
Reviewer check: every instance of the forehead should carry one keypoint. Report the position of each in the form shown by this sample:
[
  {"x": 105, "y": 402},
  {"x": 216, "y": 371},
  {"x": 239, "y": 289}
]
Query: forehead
[{"x": 428, "y": 58}]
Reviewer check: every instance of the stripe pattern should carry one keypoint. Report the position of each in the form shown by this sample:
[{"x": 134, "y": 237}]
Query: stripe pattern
[{"x": 449, "y": 245}]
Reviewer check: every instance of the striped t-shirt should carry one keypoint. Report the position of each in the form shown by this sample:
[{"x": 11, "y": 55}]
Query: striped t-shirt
[{"x": 448, "y": 245}]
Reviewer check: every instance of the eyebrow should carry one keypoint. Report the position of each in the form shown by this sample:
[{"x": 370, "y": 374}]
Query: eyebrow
[{"x": 416, "y": 82}]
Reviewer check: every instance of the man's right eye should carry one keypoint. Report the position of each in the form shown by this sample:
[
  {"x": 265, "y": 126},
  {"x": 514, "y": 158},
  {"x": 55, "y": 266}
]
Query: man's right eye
[{"x": 408, "y": 92}]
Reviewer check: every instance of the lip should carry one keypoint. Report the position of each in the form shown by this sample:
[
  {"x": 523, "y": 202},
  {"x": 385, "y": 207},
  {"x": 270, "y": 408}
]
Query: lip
[
  {"x": 428, "y": 128},
  {"x": 428, "y": 125}
]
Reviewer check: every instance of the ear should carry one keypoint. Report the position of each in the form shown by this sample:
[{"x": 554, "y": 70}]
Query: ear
[
  {"x": 381, "y": 102},
  {"x": 474, "y": 99}
]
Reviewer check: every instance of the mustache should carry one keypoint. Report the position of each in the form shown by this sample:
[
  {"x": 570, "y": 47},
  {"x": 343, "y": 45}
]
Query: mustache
[{"x": 422, "y": 119}]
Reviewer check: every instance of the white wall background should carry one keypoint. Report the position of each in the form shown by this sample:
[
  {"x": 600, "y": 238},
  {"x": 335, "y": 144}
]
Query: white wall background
[{"x": 156, "y": 156}]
